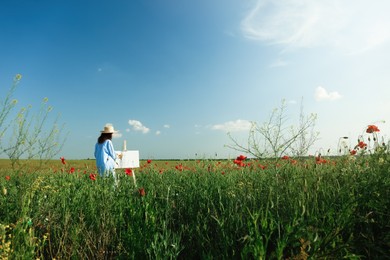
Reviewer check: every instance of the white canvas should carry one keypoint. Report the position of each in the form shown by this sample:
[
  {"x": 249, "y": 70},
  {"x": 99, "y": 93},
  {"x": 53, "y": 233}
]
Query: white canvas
[{"x": 130, "y": 159}]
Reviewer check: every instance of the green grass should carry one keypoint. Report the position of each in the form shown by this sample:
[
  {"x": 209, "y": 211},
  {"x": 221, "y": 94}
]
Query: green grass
[{"x": 199, "y": 210}]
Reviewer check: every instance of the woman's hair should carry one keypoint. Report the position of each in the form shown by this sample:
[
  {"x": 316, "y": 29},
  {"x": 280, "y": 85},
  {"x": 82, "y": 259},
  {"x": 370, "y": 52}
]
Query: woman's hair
[{"x": 103, "y": 137}]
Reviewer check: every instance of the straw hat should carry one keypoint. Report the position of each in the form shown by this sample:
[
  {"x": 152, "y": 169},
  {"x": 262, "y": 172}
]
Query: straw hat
[{"x": 108, "y": 129}]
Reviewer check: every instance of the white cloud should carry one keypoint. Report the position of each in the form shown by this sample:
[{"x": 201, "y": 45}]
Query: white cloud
[
  {"x": 352, "y": 26},
  {"x": 138, "y": 126},
  {"x": 167, "y": 126},
  {"x": 322, "y": 94},
  {"x": 233, "y": 126},
  {"x": 117, "y": 134},
  {"x": 158, "y": 132}
]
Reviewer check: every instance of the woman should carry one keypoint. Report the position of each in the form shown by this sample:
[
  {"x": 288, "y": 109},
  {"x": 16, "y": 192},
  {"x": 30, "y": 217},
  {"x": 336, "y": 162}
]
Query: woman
[{"x": 105, "y": 154}]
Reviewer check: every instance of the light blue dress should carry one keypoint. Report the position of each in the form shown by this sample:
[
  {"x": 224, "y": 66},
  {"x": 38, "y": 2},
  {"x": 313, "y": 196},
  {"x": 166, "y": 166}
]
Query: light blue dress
[{"x": 105, "y": 158}]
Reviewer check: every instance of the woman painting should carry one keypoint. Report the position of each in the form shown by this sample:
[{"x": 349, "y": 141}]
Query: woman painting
[{"x": 105, "y": 153}]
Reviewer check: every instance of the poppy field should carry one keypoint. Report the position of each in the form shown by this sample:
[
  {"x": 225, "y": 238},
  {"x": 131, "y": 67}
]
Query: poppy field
[{"x": 285, "y": 208}]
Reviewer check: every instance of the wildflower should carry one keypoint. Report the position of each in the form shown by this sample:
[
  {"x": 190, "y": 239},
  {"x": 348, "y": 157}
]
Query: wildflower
[
  {"x": 353, "y": 152},
  {"x": 179, "y": 167},
  {"x": 293, "y": 161},
  {"x": 285, "y": 157},
  {"x": 62, "y": 160},
  {"x": 141, "y": 192},
  {"x": 241, "y": 158},
  {"x": 18, "y": 77},
  {"x": 7, "y": 177},
  {"x": 362, "y": 145},
  {"x": 128, "y": 172},
  {"x": 71, "y": 170},
  {"x": 239, "y": 163},
  {"x": 92, "y": 176},
  {"x": 149, "y": 161},
  {"x": 4, "y": 191},
  {"x": 372, "y": 129},
  {"x": 319, "y": 160}
]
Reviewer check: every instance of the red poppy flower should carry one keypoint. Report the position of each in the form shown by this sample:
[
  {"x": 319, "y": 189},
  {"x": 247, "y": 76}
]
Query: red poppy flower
[
  {"x": 149, "y": 161},
  {"x": 362, "y": 145},
  {"x": 71, "y": 170},
  {"x": 353, "y": 152},
  {"x": 285, "y": 157},
  {"x": 141, "y": 192},
  {"x": 236, "y": 161},
  {"x": 7, "y": 177},
  {"x": 92, "y": 176},
  {"x": 129, "y": 172},
  {"x": 63, "y": 160},
  {"x": 319, "y": 160},
  {"x": 240, "y": 163},
  {"x": 179, "y": 167},
  {"x": 372, "y": 129},
  {"x": 241, "y": 158}
]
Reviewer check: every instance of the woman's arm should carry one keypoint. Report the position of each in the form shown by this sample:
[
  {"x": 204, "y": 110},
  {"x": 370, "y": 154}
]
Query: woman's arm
[{"x": 111, "y": 151}]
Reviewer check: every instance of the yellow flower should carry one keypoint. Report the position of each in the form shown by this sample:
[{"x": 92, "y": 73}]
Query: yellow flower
[
  {"x": 4, "y": 191},
  {"x": 18, "y": 77}
]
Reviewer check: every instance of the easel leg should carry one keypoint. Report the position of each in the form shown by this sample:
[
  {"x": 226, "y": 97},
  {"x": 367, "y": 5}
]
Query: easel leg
[{"x": 135, "y": 183}]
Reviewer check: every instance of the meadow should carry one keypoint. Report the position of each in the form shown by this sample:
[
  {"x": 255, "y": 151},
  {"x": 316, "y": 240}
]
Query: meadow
[{"x": 284, "y": 208}]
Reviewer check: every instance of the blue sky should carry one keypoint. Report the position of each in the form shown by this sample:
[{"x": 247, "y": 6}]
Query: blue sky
[{"x": 175, "y": 76}]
